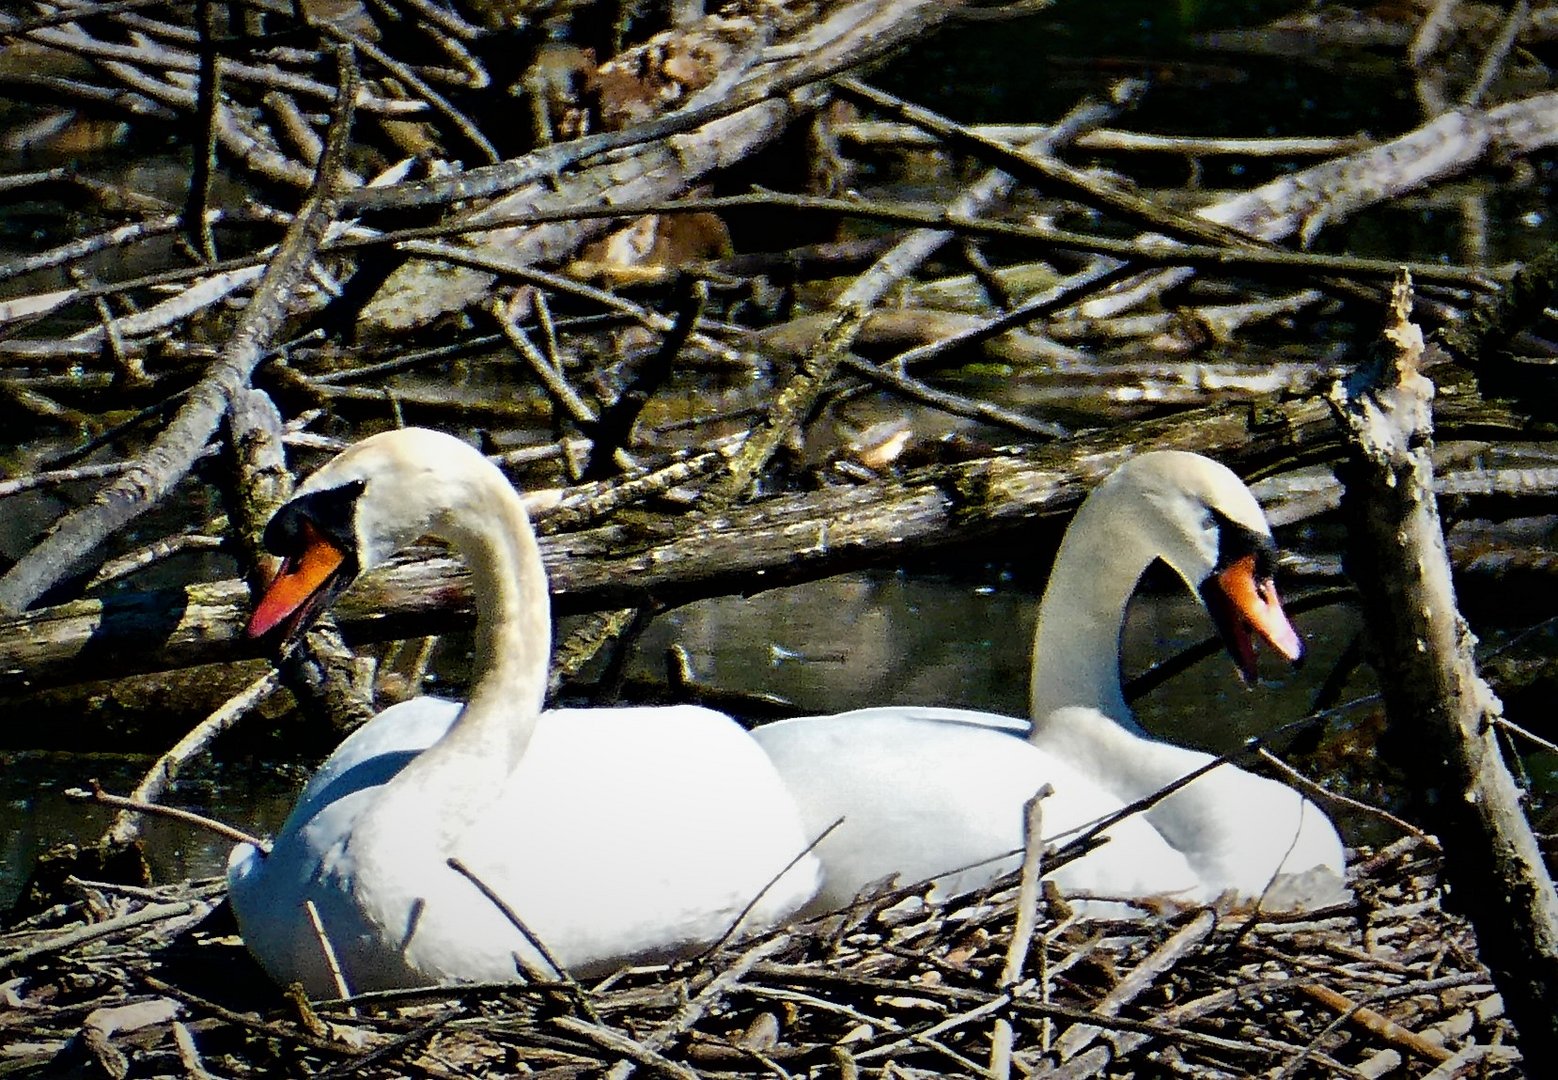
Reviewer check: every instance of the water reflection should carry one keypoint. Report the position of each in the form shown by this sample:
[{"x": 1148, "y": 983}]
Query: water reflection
[{"x": 35, "y": 814}]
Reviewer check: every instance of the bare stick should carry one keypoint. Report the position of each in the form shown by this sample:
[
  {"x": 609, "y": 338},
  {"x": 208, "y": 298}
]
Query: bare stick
[
  {"x": 847, "y": 316},
  {"x": 735, "y": 925},
  {"x": 134, "y": 920},
  {"x": 551, "y": 376},
  {"x": 1428, "y": 676},
  {"x": 1079, "y": 1036},
  {"x": 1497, "y": 53},
  {"x": 188, "y": 817},
  {"x": 342, "y": 990},
  {"x": 1376, "y": 1023},
  {"x": 172, "y": 453},
  {"x": 1028, "y": 887},
  {"x": 617, "y": 1043},
  {"x": 189, "y": 1053},
  {"x": 518, "y": 923},
  {"x": 208, "y": 97},
  {"x": 127, "y": 826},
  {"x": 1299, "y": 780},
  {"x": 1022, "y": 929}
]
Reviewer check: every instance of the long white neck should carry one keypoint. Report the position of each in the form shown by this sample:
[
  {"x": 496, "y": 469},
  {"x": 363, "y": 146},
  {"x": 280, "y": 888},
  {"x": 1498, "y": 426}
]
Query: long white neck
[
  {"x": 513, "y": 637},
  {"x": 1076, "y": 645},
  {"x": 489, "y": 529},
  {"x": 445, "y": 795}
]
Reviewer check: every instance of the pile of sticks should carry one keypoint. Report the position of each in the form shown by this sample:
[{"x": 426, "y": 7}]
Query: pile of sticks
[{"x": 152, "y": 982}]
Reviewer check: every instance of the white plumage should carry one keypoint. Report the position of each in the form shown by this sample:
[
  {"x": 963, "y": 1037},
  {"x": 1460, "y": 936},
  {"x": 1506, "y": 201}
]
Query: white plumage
[
  {"x": 923, "y": 791},
  {"x": 616, "y": 835}
]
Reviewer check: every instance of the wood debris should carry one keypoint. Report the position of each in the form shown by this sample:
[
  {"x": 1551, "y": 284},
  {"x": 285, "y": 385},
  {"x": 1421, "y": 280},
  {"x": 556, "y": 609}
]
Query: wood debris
[{"x": 149, "y": 983}]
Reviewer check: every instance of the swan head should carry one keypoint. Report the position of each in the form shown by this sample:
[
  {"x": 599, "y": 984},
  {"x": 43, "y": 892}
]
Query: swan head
[
  {"x": 357, "y": 510},
  {"x": 1202, "y": 521}
]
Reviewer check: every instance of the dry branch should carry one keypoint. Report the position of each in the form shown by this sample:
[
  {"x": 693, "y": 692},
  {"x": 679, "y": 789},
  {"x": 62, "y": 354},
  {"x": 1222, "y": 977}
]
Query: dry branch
[
  {"x": 790, "y": 85},
  {"x": 1434, "y": 698},
  {"x": 901, "y": 990},
  {"x": 175, "y": 449},
  {"x": 778, "y": 541}
]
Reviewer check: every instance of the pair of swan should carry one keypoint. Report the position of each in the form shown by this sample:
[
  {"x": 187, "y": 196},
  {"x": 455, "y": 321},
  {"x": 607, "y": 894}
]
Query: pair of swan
[
  {"x": 926, "y": 790},
  {"x": 615, "y": 835},
  {"x": 618, "y": 835}
]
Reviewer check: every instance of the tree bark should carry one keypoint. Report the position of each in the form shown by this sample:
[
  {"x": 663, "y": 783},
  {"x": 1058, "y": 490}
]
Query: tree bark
[
  {"x": 835, "y": 39},
  {"x": 778, "y": 541}
]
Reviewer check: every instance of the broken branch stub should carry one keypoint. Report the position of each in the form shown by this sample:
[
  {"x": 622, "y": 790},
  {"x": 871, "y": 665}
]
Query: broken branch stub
[{"x": 1434, "y": 698}]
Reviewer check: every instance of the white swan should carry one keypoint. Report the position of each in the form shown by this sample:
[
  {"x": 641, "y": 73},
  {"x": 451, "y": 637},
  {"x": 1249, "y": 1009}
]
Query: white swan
[
  {"x": 1239, "y": 831},
  {"x": 926, "y": 790},
  {"x": 615, "y": 835}
]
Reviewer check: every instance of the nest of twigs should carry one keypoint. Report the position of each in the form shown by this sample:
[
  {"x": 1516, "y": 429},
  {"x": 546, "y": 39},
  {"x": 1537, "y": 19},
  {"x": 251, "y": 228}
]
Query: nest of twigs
[{"x": 135, "y": 982}]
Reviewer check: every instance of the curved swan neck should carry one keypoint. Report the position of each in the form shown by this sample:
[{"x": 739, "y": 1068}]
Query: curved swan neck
[
  {"x": 513, "y": 615},
  {"x": 486, "y": 524},
  {"x": 1076, "y": 644}
]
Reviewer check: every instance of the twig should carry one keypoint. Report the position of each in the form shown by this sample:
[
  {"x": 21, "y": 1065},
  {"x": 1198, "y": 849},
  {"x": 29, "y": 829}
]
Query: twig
[
  {"x": 617, "y": 420},
  {"x": 557, "y": 388},
  {"x": 1274, "y": 262},
  {"x": 955, "y": 404},
  {"x": 746, "y": 910},
  {"x": 1498, "y": 52},
  {"x": 132, "y": 921},
  {"x": 1028, "y": 888},
  {"x": 886, "y": 133},
  {"x": 588, "y": 503},
  {"x": 393, "y": 1046},
  {"x": 127, "y": 825},
  {"x": 286, "y": 1033},
  {"x": 1430, "y": 31},
  {"x": 189, "y": 1053},
  {"x": 1325, "y": 794},
  {"x": 188, "y": 817},
  {"x": 1076, "y": 1038},
  {"x": 1375, "y": 1022},
  {"x": 17, "y": 484},
  {"x": 552, "y": 160},
  {"x": 208, "y": 97},
  {"x": 715, "y": 992},
  {"x": 1054, "y": 175},
  {"x": 1420, "y": 986},
  {"x": 462, "y": 123},
  {"x": 617, "y": 1043},
  {"x": 558, "y": 971},
  {"x": 151, "y": 554},
  {"x": 327, "y": 948}
]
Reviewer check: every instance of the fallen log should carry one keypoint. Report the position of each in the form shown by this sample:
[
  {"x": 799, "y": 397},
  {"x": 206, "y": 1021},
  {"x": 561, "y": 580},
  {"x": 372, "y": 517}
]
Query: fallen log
[
  {"x": 744, "y": 549},
  {"x": 749, "y": 548}
]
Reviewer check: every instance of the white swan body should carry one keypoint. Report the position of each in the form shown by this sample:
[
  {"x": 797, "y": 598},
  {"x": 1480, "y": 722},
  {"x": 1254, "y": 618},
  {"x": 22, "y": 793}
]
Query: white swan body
[
  {"x": 615, "y": 835},
  {"x": 882, "y": 770},
  {"x": 923, "y": 791}
]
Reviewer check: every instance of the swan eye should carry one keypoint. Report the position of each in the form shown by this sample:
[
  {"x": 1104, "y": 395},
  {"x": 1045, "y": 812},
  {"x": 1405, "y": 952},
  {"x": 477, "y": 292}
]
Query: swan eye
[
  {"x": 1234, "y": 542},
  {"x": 329, "y": 513}
]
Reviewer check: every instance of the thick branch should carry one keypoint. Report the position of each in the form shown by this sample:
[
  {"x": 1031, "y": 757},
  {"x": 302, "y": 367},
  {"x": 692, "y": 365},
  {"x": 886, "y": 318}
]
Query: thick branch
[
  {"x": 775, "y": 542},
  {"x": 1441, "y": 709}
]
